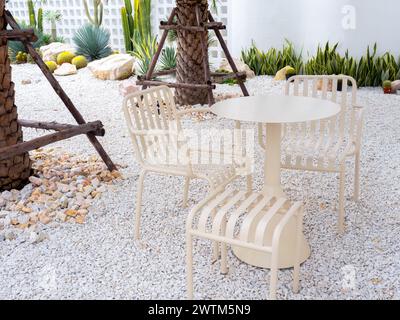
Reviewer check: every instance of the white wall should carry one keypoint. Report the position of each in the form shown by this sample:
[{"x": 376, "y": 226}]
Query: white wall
[{"x": 309, "y": 22}]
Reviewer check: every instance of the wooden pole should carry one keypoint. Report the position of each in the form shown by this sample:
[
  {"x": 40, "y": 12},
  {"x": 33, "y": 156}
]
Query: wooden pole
[
  {"x": 61, "y": 93},
  {"x": 154, "y": 60},
  {"x": 176, "y": 85},
  {"x": 228, "y": 55},
  {"x": 59, "y": 126},
  {"x": 206, "y": 63},
  {"x": 23, "y": 147}
]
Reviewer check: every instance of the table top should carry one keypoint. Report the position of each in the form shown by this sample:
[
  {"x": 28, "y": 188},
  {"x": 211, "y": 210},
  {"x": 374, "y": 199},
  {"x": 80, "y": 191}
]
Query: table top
[{"x": 276, "y": 109}]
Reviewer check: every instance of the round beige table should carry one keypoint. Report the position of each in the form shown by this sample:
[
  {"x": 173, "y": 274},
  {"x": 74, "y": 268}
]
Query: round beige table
[{"x": 274, "y": 110}]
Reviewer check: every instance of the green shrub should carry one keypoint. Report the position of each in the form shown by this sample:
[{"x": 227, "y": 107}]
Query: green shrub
[
  {"x": 369, "y": 70},
  {"x": 273, "y": 60},
  {"x": 92, "y": 42}
]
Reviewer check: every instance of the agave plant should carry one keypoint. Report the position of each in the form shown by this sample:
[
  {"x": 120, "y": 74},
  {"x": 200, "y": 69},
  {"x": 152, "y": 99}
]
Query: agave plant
[
  {"x": 144, "y": 48},
  {"x": 92, "y": 42},
  {"x": 168, "y": 59},
  {"x": 271, "y": 61}
]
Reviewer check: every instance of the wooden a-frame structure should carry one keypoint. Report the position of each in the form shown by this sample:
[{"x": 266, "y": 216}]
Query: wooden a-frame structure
[
  {"x": 149, "y": 79},
  {"x": 63, "y": 131}
]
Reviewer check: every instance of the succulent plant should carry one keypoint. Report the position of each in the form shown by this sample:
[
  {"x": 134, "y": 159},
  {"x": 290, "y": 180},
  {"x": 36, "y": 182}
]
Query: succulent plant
[
  {"x": 21, "y": 57},
  {"x": 387, "y": 84},
  {"x": 80, "y": 62},
  {"x": 65, "y": 57},
  {"x": 51, "y": 65},
  {"x": 92, "y": 42}
]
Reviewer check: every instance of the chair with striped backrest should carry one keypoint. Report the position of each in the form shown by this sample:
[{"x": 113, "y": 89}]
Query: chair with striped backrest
[
  {"x": 325, "y": 145},
  {"x": 161, "y": 147}
]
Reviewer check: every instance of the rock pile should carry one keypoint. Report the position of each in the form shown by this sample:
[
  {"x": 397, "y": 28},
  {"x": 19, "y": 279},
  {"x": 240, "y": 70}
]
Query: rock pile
[{"x": 62, "y": 189}]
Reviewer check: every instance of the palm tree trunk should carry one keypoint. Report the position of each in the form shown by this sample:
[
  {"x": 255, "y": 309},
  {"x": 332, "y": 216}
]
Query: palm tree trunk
[
  {"x": 14, "y": 171},
  {"x": 189, "y": 52}
]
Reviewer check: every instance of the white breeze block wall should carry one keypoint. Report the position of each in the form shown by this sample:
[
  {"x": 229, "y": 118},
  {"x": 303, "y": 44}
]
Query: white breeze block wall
[{"x": 74, "y": 16}]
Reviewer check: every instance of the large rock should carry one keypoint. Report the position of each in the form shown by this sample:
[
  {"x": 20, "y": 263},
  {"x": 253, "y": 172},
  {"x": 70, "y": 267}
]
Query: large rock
[
  {"x": 51, "y": 51},
  {"x": 281, "y": 74},
  {"x": 242, "y": 67},
  {"x": 395, "y": 86},
  {"x": 114, "y": 67},
  {"x": 128, "y": 87},
  {"x": 65, "y": 69}
]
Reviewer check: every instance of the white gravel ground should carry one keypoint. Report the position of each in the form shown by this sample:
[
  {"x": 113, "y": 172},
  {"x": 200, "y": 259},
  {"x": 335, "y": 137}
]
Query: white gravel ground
[{"x": 100, "y": 260}]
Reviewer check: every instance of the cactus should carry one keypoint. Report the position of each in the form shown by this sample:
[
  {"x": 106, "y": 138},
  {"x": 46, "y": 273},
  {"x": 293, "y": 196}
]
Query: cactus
[
  {"x": 80, "y": 62},
  {"x": 40, "y": 20},
  {"x": 51, "y": 65},
  {"x": 128, "y": 27},
  {"x": 97, "y": 18},
  {"x": 31, "y": 12},
  {"x": 65, "y": 57},
  {"x": 21, "y": 57}
]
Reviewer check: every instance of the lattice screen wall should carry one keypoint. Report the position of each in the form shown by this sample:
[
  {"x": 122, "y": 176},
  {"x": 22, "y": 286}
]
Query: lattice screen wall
[{"x": 74, "y": 17}]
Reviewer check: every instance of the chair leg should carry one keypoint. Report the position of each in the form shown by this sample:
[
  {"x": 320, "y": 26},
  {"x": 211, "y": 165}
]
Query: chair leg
[
  {"x": 342, "y": 184},
  {"x": 274, "y": 276},
  {"x": 296, "y": 270},
  {"x": 189, "y": 266},
  {"x": 224, "y": 251},
  {"x": 249, "y": 181},
  {"x": 215, "y": 244},
  {"x": 186, "y": 192},
  {"x": 357, "y": 177},
  {"x": 139, "y": 204}
]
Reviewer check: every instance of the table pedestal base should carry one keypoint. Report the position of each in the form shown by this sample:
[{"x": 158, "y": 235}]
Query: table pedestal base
[{"x": 286, "y": 250}]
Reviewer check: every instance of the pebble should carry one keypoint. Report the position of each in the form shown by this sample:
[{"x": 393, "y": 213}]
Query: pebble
[
  {"x": 10, "y": 235},
  {"x": 37, "y": 237},
  {"x": 56, "y": 192}
]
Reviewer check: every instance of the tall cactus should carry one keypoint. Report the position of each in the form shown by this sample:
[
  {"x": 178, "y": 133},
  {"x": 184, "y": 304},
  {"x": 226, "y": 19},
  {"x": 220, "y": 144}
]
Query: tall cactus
[
  {"x": 143, "y": 17},
  {"x": 128, "y": 24},
  {"x": 40, "y": 20},
  {"x": 31, "y": 12},
  {"x": 97, "y": 18}
]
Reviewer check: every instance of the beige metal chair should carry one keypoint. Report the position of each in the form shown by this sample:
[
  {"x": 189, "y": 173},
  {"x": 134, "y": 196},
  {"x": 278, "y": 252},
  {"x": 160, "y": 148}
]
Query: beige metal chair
[
  {"x": 161, "y": 147},
  {"x": 247, "y": 220},
  {"x": 325, "y": 145}
]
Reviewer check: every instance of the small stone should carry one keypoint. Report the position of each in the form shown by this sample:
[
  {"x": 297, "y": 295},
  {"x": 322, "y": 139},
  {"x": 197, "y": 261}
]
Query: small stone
[
  {"x": 2, "y": 202},
  {"x": 2, "y": 237},
  {"x": 64, "y": 202},
  {"x": 80, "y": 219},
  {"x": 36, "y": 181},
  {"x": 38, "y": 237},
  {"x": 23, "y": 219},
  {"x": 95, "y": 182},
  {"x": 26, "y": 210},
  {"x": 43, "y": 218},
  {"x": 61, "y": 217},
  {"x": 7, "y": 195},
  {"x": 26, "y": 192},
  {"x": 10, "y": 235},
  {"x": 71, "y": 213},
  {"x": 26, "y": 81}
]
